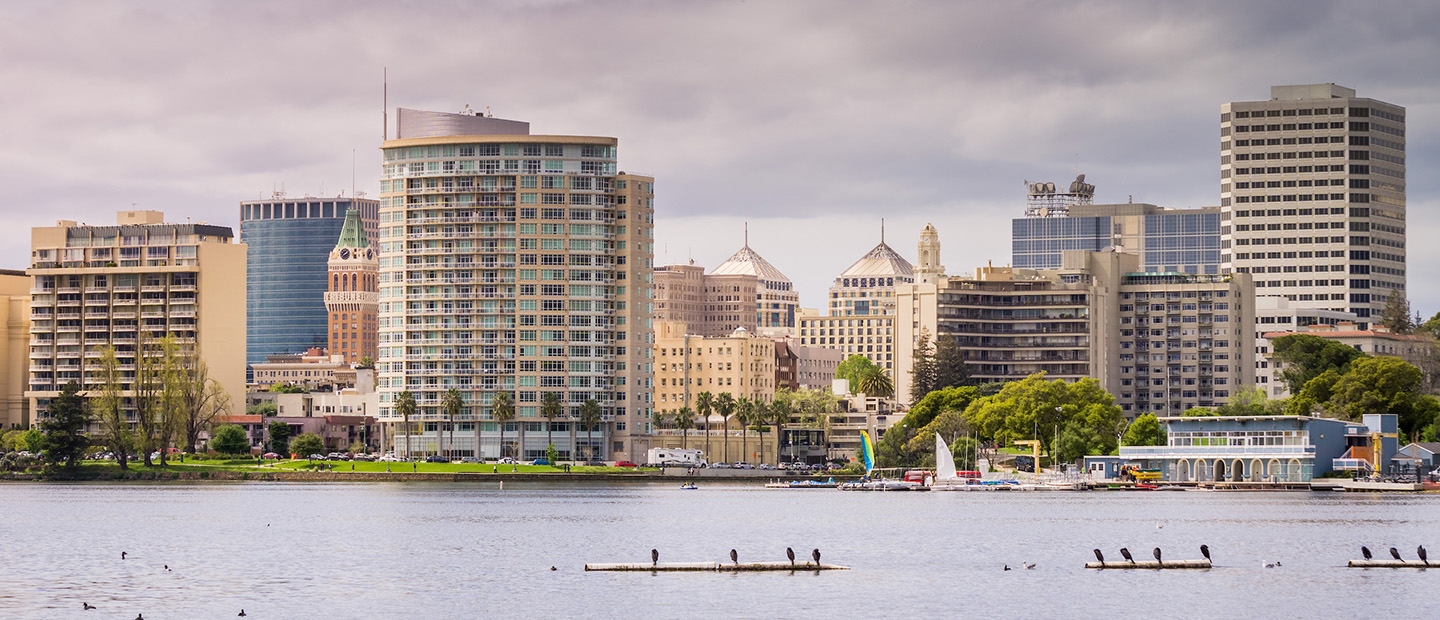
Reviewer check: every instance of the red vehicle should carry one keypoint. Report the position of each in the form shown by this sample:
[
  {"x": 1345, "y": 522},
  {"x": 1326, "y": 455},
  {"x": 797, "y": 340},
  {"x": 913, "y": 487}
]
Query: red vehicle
[
  {"x": 625, "y": 464},
  {"x": 918, "y": 475}
]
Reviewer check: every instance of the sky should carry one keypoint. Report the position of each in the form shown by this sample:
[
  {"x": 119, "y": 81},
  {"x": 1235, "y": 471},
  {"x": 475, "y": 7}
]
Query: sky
[{"x": 811, "y": 121}]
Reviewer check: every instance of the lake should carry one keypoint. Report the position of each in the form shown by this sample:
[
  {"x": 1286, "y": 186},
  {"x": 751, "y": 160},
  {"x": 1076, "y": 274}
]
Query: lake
[{"x": 352, "y": 550}]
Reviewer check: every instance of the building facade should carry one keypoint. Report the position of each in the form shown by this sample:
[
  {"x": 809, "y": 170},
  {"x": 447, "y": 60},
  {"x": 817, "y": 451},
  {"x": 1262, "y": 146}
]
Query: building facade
[
  {"x": 1167, "y": 240},
  {"x": 1377, "y": 341},
  {"x": 862, "y": 307},
  {"x": 14, "y": 347},
  {"x": 777, "y": 303},
  {"x": 800, "y": 367},
  {"x": 515, "y": 263},
  {"x": 287, "y": 270},
  {"x": 709, "y": 305},
  {"x": 1313, "y": 196},
  {"x": 128, "y": 287},
  {"x": 1278, "y": 314},
  {"x": 741, "y": 364},
  {"x": 352, "y": 298}
]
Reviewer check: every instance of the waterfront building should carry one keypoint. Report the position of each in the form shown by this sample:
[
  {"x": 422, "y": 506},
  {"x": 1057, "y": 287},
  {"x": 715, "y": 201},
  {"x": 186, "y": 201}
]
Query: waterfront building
[
  {"x": 516, "y": 263},
  {"x": 287, "y": 268},
  {"x": 1377, "y": 341},
  {"x": 14, "y": 347},
  {"x": 1313, "y": 197},
  {"x": 352, "y": 299},
  {"x": 1266, "y": 448},
  {"x": 128, "y": 286}
]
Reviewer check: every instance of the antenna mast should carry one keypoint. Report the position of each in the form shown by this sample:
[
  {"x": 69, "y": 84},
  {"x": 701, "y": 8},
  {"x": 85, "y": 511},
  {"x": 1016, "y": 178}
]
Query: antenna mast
[{"x": 385, "y": 104}]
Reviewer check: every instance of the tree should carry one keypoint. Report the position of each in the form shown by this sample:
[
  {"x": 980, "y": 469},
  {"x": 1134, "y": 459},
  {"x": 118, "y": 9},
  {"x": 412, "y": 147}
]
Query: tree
[
  {"x": 1145, "y": 431},
  {"x": 452, "y": 404},
  {"x": 1376, "y": 385},
  {"x": 1198, "y": 412},
  {"x": 149, "y": 395},
  {"x": 683, "y": 419},
  {"x": 12, "y": 440},
  {"x": 1396, "y": 314},
  {"x": 725, "y": 406},
  {"x": 230, "y": 440},
  {"x": 307, "y": 444},
  {"x": 109, "y": 409},
  {"x": 202, "y": 401},
  {"x": 705, "y": 405},
  {"x": 1305, "y": 356},
  {"x": 64, "y": 440},
  {"x": 550, "y": 408},
  {"x": 591, "y": 414},
  {"x": 745, "y": 411},
  {"x": 32, "y": 440},
  {"x": 265, "y": 409},
  {"x": 940, "y": 401},
  {"x": 950, "y": 368},
  {"x": 1431, "y": 327},
  {"x": 1250, "y": 401},
  {"x": 280, "y": 438},
  {"x": 874, "y": 381},
  {"x": 1076, "y": 440},
  {"x": 780, "y": 415},
  {"x": 922, "y": 370},
  {"x": 405, "y": 406},
  {"x": 502, "y": 410},
  {"x": 1036, "y": 408},
  {"x": 851, "y": 368},
  {"x": 366, "y": 363},
  {"x": 287, "y": 388}
]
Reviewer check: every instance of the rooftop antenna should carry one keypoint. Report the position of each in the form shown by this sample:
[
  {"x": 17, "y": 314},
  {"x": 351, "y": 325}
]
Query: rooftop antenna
[
  {"x": 747, "y": 234},
  {"x": 385, "y": 104},
  {"x": 882, "y": 230}
]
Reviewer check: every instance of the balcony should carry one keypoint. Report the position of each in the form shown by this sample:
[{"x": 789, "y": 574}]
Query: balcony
[{"x": 1217, "y": 451}]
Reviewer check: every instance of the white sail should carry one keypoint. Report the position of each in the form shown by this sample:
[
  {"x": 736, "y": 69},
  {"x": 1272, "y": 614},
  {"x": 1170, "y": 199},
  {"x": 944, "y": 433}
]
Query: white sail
[{"x": 944, "y": 460}]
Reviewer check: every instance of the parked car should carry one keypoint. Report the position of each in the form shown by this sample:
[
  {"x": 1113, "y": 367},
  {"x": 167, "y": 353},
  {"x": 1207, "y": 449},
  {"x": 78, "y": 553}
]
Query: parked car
[
  {"x": 743, "y": 465},
  {"x": 720, "y": 465},
  {"x": 507, "y": 461},
  {"x": 435, "y": 458},
  {"x": 334, "y": 456},
  {"x": 539, "y": 462},
  {"x": 389, "y": 458},
  {"x": 625, "y": 464},
  {"x": 269, "y": 455},
  {"x": 766, "y": 466},
  {"x": 595, "y": 463},
  {"x": 469, "y": 459},
  {"x": 315, "y": 457}
]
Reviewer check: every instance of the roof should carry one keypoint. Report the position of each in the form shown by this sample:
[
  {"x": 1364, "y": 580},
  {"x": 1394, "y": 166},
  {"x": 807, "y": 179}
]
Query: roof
[
  {"x": 1432, "y": 447},
  {"x": 352, "y": 235},
  {"x": 880, "y": 261},
  {"x": 748, "y": 262},
  {"x": 241, "y": 419}
]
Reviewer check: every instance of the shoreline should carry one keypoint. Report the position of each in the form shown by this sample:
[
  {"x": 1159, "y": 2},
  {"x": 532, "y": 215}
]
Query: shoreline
[{"x": 283, "y": 475}]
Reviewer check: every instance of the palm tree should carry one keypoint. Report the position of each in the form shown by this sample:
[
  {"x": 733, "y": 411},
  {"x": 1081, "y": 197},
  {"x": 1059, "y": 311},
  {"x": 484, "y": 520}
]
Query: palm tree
[
  {"x": 725, "y": 406},
  {"x": 405, "y": 406},
  {"x": 502, "y": 409},
  {"x": 705, "y": 405},
  {"x": 684, "y": 420},
  {"x": 874, "y": 381},
  {"x": 778, "y": 414},
  {"x": 453, "y": 404},
  {"x": 745, "y": 410},
  {"x": 551, "y": 409},
  {"x": 590, "y": 416}
]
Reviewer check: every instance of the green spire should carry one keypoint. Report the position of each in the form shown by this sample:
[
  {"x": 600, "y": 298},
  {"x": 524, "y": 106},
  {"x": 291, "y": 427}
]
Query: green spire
[{"x": 353, "y": 234}]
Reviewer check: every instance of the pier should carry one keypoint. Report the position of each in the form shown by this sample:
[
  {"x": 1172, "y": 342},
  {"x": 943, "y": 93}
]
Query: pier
[{"x": 713, "y": 567}]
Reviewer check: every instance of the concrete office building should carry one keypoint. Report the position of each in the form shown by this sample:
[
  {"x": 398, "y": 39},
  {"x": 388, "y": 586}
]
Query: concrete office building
[
  {"x": 861, "y": 318},
  {"x": 353, "y": 300},
  {"x": 14, "y": 345},
  {"x": 290, "y": 240},
  {"x": 1167, "y": 240},
  {"x": 777, "y": 303},
  {"x": 709, "y": 305},
  {"x": 515, "y": 263},
  {"x": 128, "y": 286},
  {"x": 1313, "y": 196}
]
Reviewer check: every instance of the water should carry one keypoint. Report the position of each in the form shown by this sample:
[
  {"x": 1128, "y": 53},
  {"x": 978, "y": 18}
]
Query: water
[{"x": 468, "y": 551}]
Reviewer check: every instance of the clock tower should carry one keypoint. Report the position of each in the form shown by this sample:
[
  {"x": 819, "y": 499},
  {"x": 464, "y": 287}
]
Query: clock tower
[{"x": 352, "y": 299}]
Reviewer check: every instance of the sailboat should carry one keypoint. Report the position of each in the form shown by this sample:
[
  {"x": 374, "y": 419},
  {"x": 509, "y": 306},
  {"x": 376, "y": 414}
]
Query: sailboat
[
  {"x": 947, "y": 479},
  {"x": 867, "y": 456}
]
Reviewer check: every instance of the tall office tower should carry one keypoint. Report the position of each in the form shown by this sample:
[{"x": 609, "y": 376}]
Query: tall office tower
[
  {"x": 290, "y": 241},
  {"x": 129, "y": 286},
  {"x": 512, "y": 263},
  {"x": 353, "y": 300},
  {"x": 777, "y": 303},
  {"x": 1312, "y": 186}
]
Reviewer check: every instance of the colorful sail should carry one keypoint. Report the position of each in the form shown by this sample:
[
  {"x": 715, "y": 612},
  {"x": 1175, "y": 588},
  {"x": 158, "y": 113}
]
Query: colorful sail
[{"x": 867, "y": 452}]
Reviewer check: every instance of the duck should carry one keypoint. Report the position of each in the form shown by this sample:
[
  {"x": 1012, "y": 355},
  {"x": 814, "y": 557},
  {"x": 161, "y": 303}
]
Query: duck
[{"x": 87, "y": 606}]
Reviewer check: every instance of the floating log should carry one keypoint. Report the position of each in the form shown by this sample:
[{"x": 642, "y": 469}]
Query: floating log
[
  {"x": 1151, "y": 564},
  {"x": 721, "y": 567},
  {"x": 1391, "y": 564}
]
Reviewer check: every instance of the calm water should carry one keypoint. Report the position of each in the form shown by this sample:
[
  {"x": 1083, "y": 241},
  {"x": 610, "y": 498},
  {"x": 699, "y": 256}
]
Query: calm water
[{"x": 464, "y": 551}]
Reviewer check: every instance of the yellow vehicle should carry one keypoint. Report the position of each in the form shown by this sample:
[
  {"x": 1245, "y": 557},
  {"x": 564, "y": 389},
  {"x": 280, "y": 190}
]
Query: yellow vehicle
[{"x": 1137, "y": 474}]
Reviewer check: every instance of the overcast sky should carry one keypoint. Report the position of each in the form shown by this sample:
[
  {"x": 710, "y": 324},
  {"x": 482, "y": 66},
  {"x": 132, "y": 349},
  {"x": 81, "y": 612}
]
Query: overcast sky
[{"x": 810, "y": 120}]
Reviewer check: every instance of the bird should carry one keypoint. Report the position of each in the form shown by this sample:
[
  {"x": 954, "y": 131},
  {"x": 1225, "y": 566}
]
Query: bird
[
  {"x": 1125, "y": 553},
  {"x": 1277, "y": 563},
  {"x": 1159, "y": 526},
  {"x": 241, "y": 614},
  {"x": 1028, "y": 565},
  {"x": 1365, "y": 551},
  {"x": 734, "y": 557},
  {"x": 1264, "y": 564},
  {"x": 1007, "y": 567},
  {"x": 1156, "y": 553},
  {"x": 167, "y": 568},
  {"x": 1420, "y": 551},
  {"x": 654, "y": 557},
  {"x": 816, "y": 554},
  {"x": 122, "y": 555},
  {"x": 1395, "y": 554},
  {"x": 1099, "y": 557},
  {"x": 139, "y": 616},
  {"x": 1205, "y": 551},
  {"x": 87, "y": 606},
  {"x": 790, "y": 553},
  {"x": 553, "y": 568}
]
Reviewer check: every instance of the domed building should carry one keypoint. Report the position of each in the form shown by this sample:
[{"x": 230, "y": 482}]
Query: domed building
[
  {"x": 776, "y": 301},
  {"x": 861, "y": 317}
]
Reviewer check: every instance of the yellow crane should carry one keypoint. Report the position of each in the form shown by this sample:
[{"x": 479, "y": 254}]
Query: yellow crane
[{"x": 1034, "y": 450}]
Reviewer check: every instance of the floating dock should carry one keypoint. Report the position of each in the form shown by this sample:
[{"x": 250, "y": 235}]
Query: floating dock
[
  {"x": 713, "y": 567},
  {"x": 1151, "y": 564},
  {"x": 1391, "y": 564}
]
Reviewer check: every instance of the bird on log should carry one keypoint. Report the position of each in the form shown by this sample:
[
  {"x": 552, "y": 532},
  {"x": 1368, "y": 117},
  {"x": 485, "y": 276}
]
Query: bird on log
[
  {"x": 1099, "y": 557},
  {"x": 1156, "y": 553},
  {"x": 1205, "y": 551},
  {"x": 790, "y": 553},
  {"x": 1365, "y": 551},
  {"x": 654, "y": 557},
  {"x": 1420, "y": 551},
  {"x": 1395, "y": 554},
  {"x": 1126, "y": 554},
  {"x": 816, "y": 554},
  {"x": 734, "y": 557}
]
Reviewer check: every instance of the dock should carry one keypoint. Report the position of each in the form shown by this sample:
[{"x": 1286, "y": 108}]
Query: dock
[
  {"x": 1391, "y": 564},
  {"x": 713, "y": 567},
  {"x": 1151, "y": 564}
]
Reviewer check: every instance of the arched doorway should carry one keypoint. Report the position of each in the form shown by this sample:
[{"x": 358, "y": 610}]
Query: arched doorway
[
  {"x": 1237, "y": 470},
  {"x": 1293, "y": 475},
  {"x": 1257, "y": 471},
  {"x": 1182, "y": 469},
  {"x": 1272, "y": 471},
  {"x": 1219, "y": 470}
]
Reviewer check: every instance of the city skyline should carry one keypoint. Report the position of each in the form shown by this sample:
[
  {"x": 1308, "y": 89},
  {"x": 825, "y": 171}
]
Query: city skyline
[{"x": 802, "y": 126}]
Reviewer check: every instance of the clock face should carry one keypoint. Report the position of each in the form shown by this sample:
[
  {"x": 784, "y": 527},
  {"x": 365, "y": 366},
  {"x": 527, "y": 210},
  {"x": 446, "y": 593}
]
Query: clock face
[
  {"x": 369, "y": 254},
  {"x": 345, "y": 253}
]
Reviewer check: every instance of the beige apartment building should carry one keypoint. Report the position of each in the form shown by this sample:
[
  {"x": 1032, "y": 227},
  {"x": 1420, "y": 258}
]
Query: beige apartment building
[
  {"x": 710, "y": 305},
  {"x": 742, "y": 364},
  {"x": 123, "y": 285},
  {"x": 861, "y": 317},
  {"x": 14, "y": 344},
  {"x": 515, "y": 263},
  {"x": 1417, "y": 350}
]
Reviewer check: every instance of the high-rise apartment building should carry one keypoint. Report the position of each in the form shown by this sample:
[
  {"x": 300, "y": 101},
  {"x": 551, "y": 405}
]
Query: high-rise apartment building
[
  {"x": 861, "y": 319},
  {"x": 14, "y": 343},
  {"x": 514, "y": 263},
  {"x": 1313, "y": 196},
  {"x": 129, "y": 286},
  {"x": 353, "y": 300},
  {"x": 287, "y": 269}
]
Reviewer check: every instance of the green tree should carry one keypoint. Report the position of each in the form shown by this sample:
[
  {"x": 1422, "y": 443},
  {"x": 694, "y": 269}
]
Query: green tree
[
  {"x": 1303, "y": 357},
  {"x": 1199, "y": 412},
  {"x": 922, "y": 370},
  {"x": 874, "y": 381},
  {"x": 1315, "y": 395},
  {"x": 64, "y": 440},
  {"x": 1076, "y": 440},
  {"x": 1036, "y": 408},
  {"x": 1248, "y": 401},
  {"x": 287, "y": 388},
  {"x": 1431, "y": 327},
  {"x": 366, "y": 363},
  {"x": 1375, "y": 385},
  {"x": 265, "y": 409},
  {"x": 745, "y": 410},
  {"x": 940, "y": 401},
  {"x": 683, "y": 419},
  {"x": 781, "y": 413},
  {"x": 705, "y": 405},
  {"x": 1145, "y": 431},
  {"x": 591, "y": 414},
  {"x": 202, "y": 400},
  {"x": 1396, "y": 314},
  {"x": 725, "y": 406},
  {"x": 307, "y": 444},
  {"x": 279, "y": 438},
  {"x": 452, "y": 404},
  {"x": 108, "y": 406},
  {"x": 502, "y": 410},
  {"x": 851, "y": 368},
  {"x": 230, "y": 440},
  {"x": 551, "y": 454},
  {"x": 405, "y": 406},
  {"x": 550, "y": 408},
  {"x": 32, "y": 440},
  {"x": 950, "y": 368},
  {"x": 11, "y": 440},
  {"x": 965, "y": 451}
]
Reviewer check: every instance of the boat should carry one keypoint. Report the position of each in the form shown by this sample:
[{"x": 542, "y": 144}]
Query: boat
[
  {"x": 867, "y": 456},
  {"x": 802, "y": 484},
  {"x": 689, "y": 486},
  {"x": 948, "y": 479}
]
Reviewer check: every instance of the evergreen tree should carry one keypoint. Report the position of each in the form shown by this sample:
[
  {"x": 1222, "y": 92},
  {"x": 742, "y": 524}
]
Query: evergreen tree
[
  {"x": 1396, "y": 314},
  {"x": 950, "y": 369},
  {"x": 922, "y": 373},
  {"x": 63, "y": 433}
]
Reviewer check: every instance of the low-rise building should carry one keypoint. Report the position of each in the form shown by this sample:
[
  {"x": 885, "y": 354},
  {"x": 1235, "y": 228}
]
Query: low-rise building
[
  {"x": 1378, "y": 341},
  {"x": 14, "y": 345},
  {"x": 314, "y": 370},
  {"x": 799, "y": 367},
  {"x": 1274, "y": 313}
]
